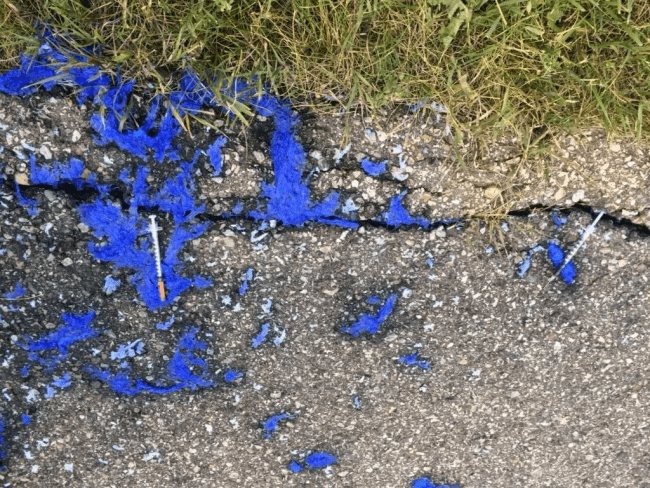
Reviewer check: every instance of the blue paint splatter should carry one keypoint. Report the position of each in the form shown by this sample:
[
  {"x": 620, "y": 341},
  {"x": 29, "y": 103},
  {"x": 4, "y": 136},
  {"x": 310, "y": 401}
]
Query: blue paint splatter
[
  {"x": 77, "y": 328},
  {"x": 125, "y": 233},
  {"x": 30, "y": 205},
  {"x": 128, "y": 350},
  {"x": 556, "y": 255},
  {"x": 261, "y": 336},
  {"x": 18, "y": 292},
  {"x": 295, "y": 467},
  {"x": 165, "y": 325},
  {"x": 413, "y": 360},
  {"x": 524, "y": 266},
  {"x": 357, "y": 403},
  {"x": 270, "y": 425},
  {"x": 232, "y": 375},
  {"x": 372, "y": 300},
  {"x": 368, "y": 324},
  {"x": 214, "y": 153},
  {"x": 184, "y": 370},
  {"x": 26, "y": 419},
  {"x": 63, "y": 382},
  {"x": 373, "y": 169},
  {"x": 426, "y": 483},
  {"x": 248, "y": 277},
  {"x": 3, "y": 444},
  {"x": 557, "y": 220},
  {"x": 110, "y": 285},
  {"x": 320, "y": 460}
]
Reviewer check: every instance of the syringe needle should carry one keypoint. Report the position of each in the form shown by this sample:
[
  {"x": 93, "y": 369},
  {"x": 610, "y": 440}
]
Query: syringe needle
[{"x": 153, "y": 228}]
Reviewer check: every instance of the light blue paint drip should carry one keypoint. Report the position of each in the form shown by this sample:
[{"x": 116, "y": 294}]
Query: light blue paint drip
[
  {"x": 165, "y": 325},
  {"x": 128, "y": 350},
  {"x": 110, "y": 285},
  {"x": 349, "y": 206},
  {"x": 357, "y": 403},
  {"x": 524, "y": 266}
]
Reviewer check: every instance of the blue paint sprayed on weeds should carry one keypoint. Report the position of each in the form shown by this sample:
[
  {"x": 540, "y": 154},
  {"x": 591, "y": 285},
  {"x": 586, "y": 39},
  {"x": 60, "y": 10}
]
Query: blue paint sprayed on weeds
[
  {"x": 77, "y": 328},
  {"x": 368, "y": 324}
]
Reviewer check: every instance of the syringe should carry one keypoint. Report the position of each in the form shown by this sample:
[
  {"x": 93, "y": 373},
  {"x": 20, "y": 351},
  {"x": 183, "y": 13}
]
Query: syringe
[{"x": 153, "y": 228}]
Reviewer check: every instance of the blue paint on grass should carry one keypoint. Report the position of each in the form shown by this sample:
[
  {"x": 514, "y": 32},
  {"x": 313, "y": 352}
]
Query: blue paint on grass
[
  {"x": 426, "y": 483},
  {"x": 270, "y": 425},
  {"x": 373, "y": 169},
  {"x": 413, "y": 360},
  {"x": 18, "y": 292},
  {"x": 556, "y": 255},
  {"x": 76, "y": 328},
  {"x": 369, "y": 324}
]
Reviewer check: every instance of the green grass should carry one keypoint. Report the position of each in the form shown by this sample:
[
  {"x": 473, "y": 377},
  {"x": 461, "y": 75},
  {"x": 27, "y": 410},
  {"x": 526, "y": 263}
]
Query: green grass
[{"x": 499, "y": 65}]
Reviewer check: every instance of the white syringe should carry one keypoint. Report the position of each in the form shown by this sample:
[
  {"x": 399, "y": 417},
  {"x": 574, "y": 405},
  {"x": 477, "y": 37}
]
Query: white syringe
[{"x": 153, "y": 228}]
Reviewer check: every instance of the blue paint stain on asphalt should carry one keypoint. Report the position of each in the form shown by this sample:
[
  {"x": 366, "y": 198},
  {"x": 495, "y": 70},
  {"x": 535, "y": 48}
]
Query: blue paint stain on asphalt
[
  {"x": 426, "y": 483},
  {"x": 369, "y": 324},
  {"x": 18, "y": 292},
  {"x": 76, "y": 328},
  {"x": 122, "y": 234},
  {"x": 270, "y": 425}
]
